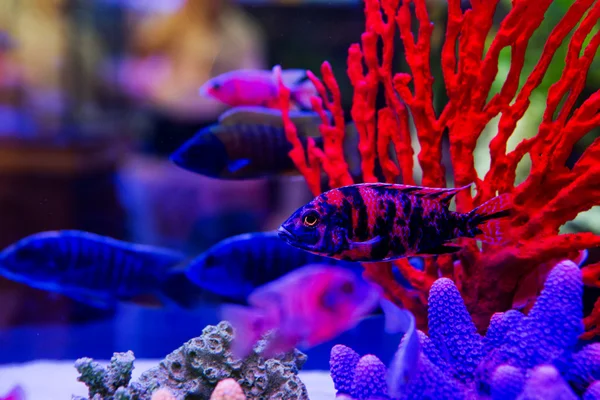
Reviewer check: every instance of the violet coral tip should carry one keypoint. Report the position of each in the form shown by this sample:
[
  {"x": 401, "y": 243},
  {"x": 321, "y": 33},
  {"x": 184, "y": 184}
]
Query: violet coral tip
[
  {"x": 585, "y": 367},
  {"x": 228, "y": 389},
  {"x": 545, "y": 383},
  {"x": 452, "y": 330},
  {"x": 557, "y": 315},
  {"x": 507, "y": 383},
  {"x": 593, "y": 392},
  {"x": 433, "y": 354},
  {"x": 431, "y": 383},
  {"x": 500, "y": 324},
  {"x": 369, "y": 381},
  {"x": 342, "y": 362},
  {"x": 163, "y": 394}
]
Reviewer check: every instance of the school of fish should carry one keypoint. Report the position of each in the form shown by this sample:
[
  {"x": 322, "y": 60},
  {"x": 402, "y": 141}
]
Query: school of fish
[{"x": 301, "y": 284}]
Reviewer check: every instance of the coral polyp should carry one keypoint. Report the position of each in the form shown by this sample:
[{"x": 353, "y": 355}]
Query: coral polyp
[{"x": 520, "y": 357}]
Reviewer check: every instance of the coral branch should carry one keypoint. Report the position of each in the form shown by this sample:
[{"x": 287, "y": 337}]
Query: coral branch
[
  {"x": 489, "y": 277},
  {"x": 592, "y": 323},
  {"x": 310, "y": 170}
]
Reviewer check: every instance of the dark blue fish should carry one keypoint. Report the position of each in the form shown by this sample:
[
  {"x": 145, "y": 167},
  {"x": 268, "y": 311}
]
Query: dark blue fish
[
  {"x": 237, "y": 152},
  {"x": 250, "y": 143},
  {"x": 236, "y": 266},
  {"x": 94, "y": 269}
]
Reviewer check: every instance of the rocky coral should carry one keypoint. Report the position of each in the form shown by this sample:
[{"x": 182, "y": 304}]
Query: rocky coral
[
  {"x": 194, "y": 370},
  {"x": 521, "y": 356}
]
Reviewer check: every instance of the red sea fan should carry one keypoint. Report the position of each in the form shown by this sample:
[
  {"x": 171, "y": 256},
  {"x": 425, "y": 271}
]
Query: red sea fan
[{"x": 552, "y": 194}]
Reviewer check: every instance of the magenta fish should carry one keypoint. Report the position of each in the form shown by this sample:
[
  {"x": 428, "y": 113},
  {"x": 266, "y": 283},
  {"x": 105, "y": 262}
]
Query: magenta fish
[
  {"x": 306, "y": 307},
  {"x": 378, "y": 221},
  {"x": 254, "y": 87}
]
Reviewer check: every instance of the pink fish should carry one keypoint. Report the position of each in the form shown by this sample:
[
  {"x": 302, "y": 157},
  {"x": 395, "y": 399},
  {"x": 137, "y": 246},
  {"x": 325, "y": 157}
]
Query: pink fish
[
  {"x": 254, "y": 87},
  {"x": 306, "y": 307},
  {"x": 16, "y": 393}
]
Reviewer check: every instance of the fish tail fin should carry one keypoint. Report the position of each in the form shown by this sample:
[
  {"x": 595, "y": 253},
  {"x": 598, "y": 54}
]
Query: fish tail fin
[
  {"x": 177, "y": 288},
  {"x": 17, "y": 393},
  {"x": 249, "y": 325},
  {"x": 490, "y": 221},
  {"x": 397, "y": 320}
]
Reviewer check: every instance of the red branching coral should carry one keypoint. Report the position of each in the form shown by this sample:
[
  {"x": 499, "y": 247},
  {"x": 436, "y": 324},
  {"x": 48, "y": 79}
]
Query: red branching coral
[{"x": 551, "y": 195}]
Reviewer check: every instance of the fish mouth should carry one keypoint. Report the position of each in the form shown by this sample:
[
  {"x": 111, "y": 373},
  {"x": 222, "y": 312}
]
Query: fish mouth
[{"x": 286, "y": 235}]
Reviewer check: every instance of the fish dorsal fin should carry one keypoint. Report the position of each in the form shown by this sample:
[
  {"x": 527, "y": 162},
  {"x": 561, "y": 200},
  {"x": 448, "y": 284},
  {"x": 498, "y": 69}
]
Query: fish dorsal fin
[
  {"x": 264, "y": 297},
  {"x": 444, "y": 195},
  {"x": 292, "y": 77},
  {"x": 307, "y": 122}
]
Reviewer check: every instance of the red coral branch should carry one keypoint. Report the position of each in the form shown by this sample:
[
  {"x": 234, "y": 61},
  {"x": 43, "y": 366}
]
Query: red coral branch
[
  {"x": 592, "y": 323},
  {"x": 551, "y": 195},
  {"x": 311, "y": 170},
  {"x": 591, "y": 275},
  {"x": 333, "y": 135}
]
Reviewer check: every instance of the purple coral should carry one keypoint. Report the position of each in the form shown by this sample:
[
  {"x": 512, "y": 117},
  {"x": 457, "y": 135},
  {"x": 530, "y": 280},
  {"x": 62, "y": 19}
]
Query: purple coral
[
  {"x": 521, "y": 357},
  {"x": 342, "y": 362},
  {"x": 369, "y": 379},
  {"x": 362, "y": 378}
]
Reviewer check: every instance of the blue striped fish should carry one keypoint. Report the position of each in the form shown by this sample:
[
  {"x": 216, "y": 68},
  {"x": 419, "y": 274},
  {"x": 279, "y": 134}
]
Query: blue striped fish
[
  {"x": 236, "y": 266},
  {"x": 91, "y": 268},
  {"x": 250, "y": 143}
]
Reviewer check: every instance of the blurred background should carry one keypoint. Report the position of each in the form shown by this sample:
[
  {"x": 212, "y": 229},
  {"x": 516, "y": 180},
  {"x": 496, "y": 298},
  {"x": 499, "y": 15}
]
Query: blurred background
[{"x": 94, "y": 97}]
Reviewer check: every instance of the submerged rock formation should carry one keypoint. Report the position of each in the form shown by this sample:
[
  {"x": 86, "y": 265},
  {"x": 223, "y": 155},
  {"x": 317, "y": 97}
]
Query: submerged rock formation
[{"x": 194, "y": 370}]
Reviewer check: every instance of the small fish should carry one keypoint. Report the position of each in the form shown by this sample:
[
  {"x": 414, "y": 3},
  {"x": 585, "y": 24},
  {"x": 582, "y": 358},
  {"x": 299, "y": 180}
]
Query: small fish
[
  {"x": 236, "y": 152},
  {"x": 404, "y": 364},
  {"x": 91, "y": 268},
  {"x": 304, "y": 308},
  {"x": 246, "y": 151},
  {"x": 254, "y": 87},
  {"x": 378, "y": 221},
  {"x": 236, "y": 266},
  {"x": 16, "y": 393}
]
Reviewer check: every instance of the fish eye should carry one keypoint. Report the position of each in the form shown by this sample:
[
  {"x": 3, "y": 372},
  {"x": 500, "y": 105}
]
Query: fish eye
[
  {"x": 311, "y": 219},
  {"x": 216, "y": 85},
  {"x": 210, "y": 260}
]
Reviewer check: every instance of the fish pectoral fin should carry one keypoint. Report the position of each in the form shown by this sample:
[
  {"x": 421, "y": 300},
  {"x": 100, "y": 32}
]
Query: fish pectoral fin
[
  {"x": 280, "y": 343},
  {"x": 147, "y": 300},
  {"x": 370, "y": 242},
  {"x": 234, "y": 166},
  {"x": 249, "y": 324},
  {"x": 441, "y": 249},
  {"x": 397, "y": 320},
  {"x": 95, "y": 300}
]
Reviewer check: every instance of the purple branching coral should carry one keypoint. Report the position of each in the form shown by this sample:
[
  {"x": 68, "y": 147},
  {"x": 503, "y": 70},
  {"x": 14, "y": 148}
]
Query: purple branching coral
[{"x": 521, "y": 356}]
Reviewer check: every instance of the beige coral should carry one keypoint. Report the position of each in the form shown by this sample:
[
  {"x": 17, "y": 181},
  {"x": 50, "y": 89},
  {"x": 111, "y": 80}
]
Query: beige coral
[
  {"x": 228, "y": 389},
  {"x": 163, "y": 394}
]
